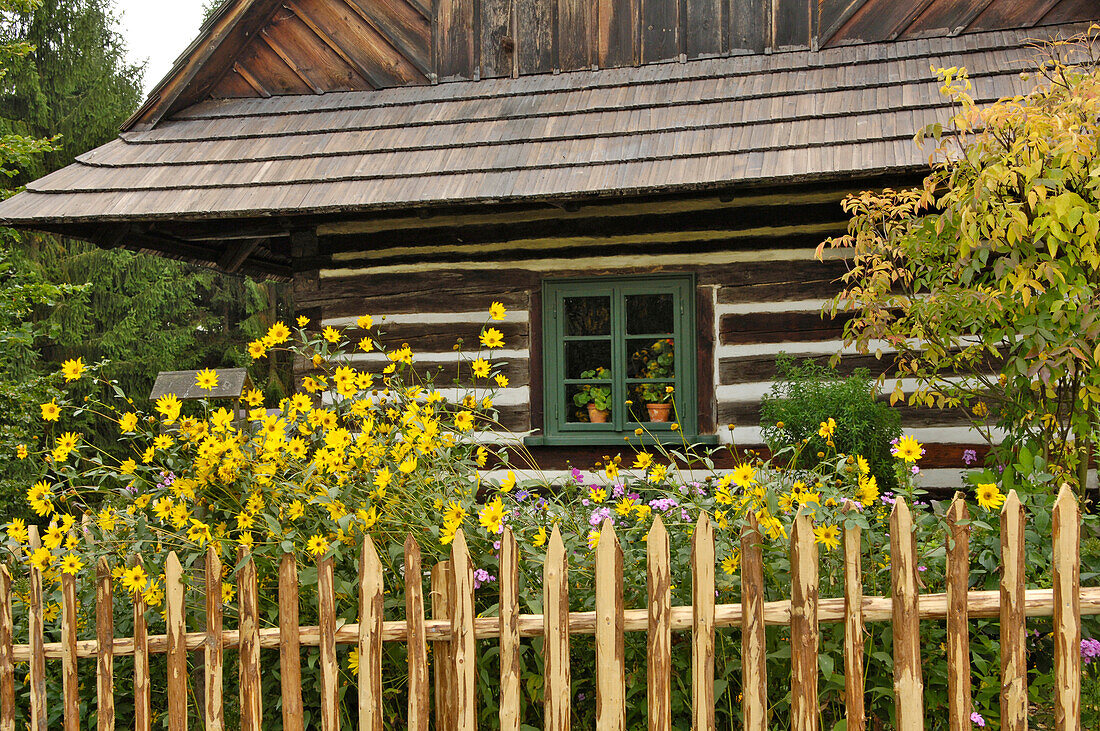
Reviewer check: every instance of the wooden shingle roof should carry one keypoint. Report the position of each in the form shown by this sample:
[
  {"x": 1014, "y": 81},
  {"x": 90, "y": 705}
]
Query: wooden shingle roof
[{"x": 761, "y": 119}]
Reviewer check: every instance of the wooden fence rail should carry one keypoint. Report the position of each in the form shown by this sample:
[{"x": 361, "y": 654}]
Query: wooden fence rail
[{"x": 454, "y": 630}]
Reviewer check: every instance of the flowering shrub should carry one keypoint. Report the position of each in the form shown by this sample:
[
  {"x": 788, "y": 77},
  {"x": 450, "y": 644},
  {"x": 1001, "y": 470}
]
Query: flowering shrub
[{"x": 389, "y": 453}]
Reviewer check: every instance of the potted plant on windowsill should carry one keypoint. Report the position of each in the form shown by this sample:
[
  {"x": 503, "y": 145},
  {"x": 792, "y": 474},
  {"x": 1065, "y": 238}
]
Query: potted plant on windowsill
[
  {"x": 658, "y": 401},
  {"x": 596, "y": 398}
]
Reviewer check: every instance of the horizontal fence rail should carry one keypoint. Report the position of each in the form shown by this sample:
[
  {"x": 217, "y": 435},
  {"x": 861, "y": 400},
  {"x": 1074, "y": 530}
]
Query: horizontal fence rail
[{"x": 454, "y": 631}]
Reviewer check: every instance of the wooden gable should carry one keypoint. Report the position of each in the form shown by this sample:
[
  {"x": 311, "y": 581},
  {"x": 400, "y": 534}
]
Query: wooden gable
[{"x": 265, "y": 48}]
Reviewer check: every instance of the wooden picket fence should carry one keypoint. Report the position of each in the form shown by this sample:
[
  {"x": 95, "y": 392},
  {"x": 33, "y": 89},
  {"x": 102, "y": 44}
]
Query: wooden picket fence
[{"x": 455, "y": 631}]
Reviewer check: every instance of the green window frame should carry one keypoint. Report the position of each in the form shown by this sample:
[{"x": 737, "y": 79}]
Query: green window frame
[{"x": 559, "y": 385}]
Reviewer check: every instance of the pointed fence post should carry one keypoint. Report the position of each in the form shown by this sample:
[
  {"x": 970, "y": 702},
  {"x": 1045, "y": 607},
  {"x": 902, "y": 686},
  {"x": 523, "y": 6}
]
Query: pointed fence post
[
  {"x": 248, "y": 671},
  {"x": 442, "y": 597},
  {"x": 908, "y": 680},
  {"x": 610, "y": 645},
  {"x": 510, "y": 680},
  {"x": 702, "y": 627},
  {"x": 958, "y": 620},
  {"x": 804, "y": 625},
  {"x": 143, "y": 714},
  {"x": 419, "y": 694},
  {"x": 659, "y": 649},
  {"x": 1013, "y": 624},
  {"x": 177, "y": 644},
  {"x": 290, "y": 655},
  {"x": 855, "y": 713},
  {"x": 754, "y": 669},
  {"x": 557, "y": 695},
  {"x": 212, "y": 643},
  {"x": 70, "y": 680},
  {"x": 1067, "y": 612},
  {"x": 330, "y": 677},
  {"x": 370, "y": 637},
  {"x": 105, "y": 655},
  {"x": 464, "y": 645}
]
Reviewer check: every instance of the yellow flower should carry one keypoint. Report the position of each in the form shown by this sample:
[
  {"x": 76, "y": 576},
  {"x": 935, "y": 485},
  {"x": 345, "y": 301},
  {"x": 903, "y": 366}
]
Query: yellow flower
[
  {"x": 492, "y": 338},
  {"x": 331, "y": 334},
  {"x": 508, "y": 482},
  {"x": 134, "y": 580},
  {"x": 17, "y": 530},
  {"x": 73, "y": 369},
  {"x": 491, "y": 516},
  {"x": 908, "y": 449},
  {"x": 169, "y": 407},
  {"x": 828, "y": 536},
  {"x": 497, "y": 311},
  {"x": 317, "y": 545},
  {"x": 868, "y": 490},
  {"x": 731, "y": 563},
  {"x": 128, "y": 422},
  {"x": 612, "y": 470},
  {"x": 50, "y": 411},
  {"x": 657, "y": 473},
  {"x": 827, "y": 428},
  {"x": 408, "y": 465},
  {"x": 863, "y": 464},
  {"x": 41, "y": 559},
  {"x": 597, "y": 494},
  {"x": 199, "y": 532},
  {"x": 501, "y": 379},
  {"x": 540, "y": 538},
  {"x": 744, "y": 476},
  {"x": 228, "y": 592},
  {"x": 643, "y": 460},
  {"x": 53, "y": 538},
  {"x": 254, "y": 397},
  {"x": 625, "y": 506},
  {"x": 464, "y": 421},
  {"x": 278, "y": 333},
  {"x": 40, "y": 497},
  {"x": 295, "y": 510},
  {"x": 21, "y": 451},
  {"x": 365, "y": 322},
  {"x": 481, "y": 368},
  {"x": 353, "y": 661},
  {"x": 481, "y": 456},
  {"x": 989, "y": 496},
  {"x": 71, "y": 565},
  {"x": 206, "y": 379},
  {"x": 593, "y": 539},
  {"x": 302, "y": 320},
  {"x": 257, "y": 349}
]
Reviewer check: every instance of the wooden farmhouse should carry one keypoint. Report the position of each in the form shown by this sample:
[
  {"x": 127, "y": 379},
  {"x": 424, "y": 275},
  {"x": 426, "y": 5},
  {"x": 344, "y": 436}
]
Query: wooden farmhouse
[{"x": 631, "y": 178}]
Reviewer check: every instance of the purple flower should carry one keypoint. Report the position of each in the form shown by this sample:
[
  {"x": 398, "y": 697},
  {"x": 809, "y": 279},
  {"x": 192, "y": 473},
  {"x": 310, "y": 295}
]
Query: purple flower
[
  {"x": 580, "y": 697},
  {"x": 977, "y": 720},
  {"x": 634, "y": 496},
  {"x": 496, "y": 545},
  {"x": 915, "y": 470},
  {"x": 685, "y": 515},
  {"x": 481, "y": 576},
  {"x": 522, "y": 495},
  {"x": 664, "y": 504},
  {"x": 578, "y": 476},
  {"x": 683, "y": 489},
  {"x": 584, "y": 502},
  {"x": 599, "y": 515},
  {"x": 969, "y": 456},
  {"x": 1090, "y": 650},
  {"x": 888, "y": 498},
  {"x": 617, "y": 489},
  {"x": 922, "y": 568}
]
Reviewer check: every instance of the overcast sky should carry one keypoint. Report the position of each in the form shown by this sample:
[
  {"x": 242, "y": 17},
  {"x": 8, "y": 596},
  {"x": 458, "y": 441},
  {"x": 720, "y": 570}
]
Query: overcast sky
[{"x": 157, "y": 31}]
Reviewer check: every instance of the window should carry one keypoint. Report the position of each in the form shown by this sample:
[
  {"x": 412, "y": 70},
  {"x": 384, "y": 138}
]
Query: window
[{"x": 619, "y": 354}]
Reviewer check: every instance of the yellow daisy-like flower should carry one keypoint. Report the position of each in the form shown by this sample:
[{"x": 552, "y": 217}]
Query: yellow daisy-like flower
[
  {"x": 464, "y": 421},
  {"x": 295, "y": 510},
  {"x": 353, "y": 661},
  {"x": 827, "y": 428},
  {"x": 50, "y": 411},
  {"x": 317, "y": 545},
  {"x": 501, "y": 379},
  {"x": 597, "y": 494},
  {"x": 41, "y": 559},
  {"x": 21, "y": 451},
  {"x": 657, "y": 473},
  {"x": 828, "y": 536},
  {"x": 868, "y": 490},
  {"x": 408, "y": 466},
  {"x": 128, "y": 422},
  {"x": 508, "y": 482},
  {"x": 593, "y": 539},
  {"x": 539, "y": 539},
  {"x": 206, "y": 379},
  {"x": 278, "y": 333},
  {"x": 989, "y": 496},
  {"x": 731, "y": 563},
  {"x": 908, "y": 449},
  {"x": 71, "y": 565},
  {"x": 134, "y": 580},
  {"x": 365, "y": 322},
  {"x": 492, "y": 338},
  {"x": 73, "y": 369},
  {"x": 331, "y": 334},
  {"x": 481, "y": 368},
  {"x": 169, "y": 407},
  {"x": 302, "y": 320},
  {"x": 17, "y": 530},
  {"x": 863, "y": 465},
  {"x": 366, "y": 345},
  {"x": 257, "y": 349},
  {"x": 491, "y": 516},
  {"x": 497, "y": 311},
  {"x": 744, "y": 475},
  {"x": 643, "y": 460},
  {"x": 254, "y": 397}
]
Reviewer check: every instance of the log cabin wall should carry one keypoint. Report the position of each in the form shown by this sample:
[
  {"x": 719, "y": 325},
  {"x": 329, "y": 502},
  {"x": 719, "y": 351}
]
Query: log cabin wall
[{"x": 759, "y": 292}]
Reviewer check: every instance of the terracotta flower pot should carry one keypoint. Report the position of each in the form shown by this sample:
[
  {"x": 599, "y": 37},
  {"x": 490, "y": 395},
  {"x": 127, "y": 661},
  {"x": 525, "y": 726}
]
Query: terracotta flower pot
[
  {"x": 598, "y": 416},
  {"x": 659, "y": 412}
]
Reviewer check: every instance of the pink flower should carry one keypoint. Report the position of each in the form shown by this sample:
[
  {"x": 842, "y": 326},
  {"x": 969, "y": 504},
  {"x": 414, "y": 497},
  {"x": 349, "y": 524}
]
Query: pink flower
[{"x": 977, "y": 720}]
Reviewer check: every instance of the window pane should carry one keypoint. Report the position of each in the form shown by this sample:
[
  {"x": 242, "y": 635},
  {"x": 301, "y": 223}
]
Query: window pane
[
  {"x": 649, "y": 313},
  {"x": 650, "y": 402},
  {"x": 588, "y": 403},
  {"x": 588, "y": 315},
  {"x": 588, "y": 359},
  {"x": 650, "y": 358}
]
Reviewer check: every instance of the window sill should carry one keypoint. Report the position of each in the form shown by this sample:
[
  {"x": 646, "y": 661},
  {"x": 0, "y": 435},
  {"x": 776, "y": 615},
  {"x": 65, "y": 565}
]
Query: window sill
[{"x": 603, "y": 439}]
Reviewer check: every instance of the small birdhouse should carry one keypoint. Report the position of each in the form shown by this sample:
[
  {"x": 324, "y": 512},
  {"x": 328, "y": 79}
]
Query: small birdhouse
[{"x": 231, "y": 384}]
